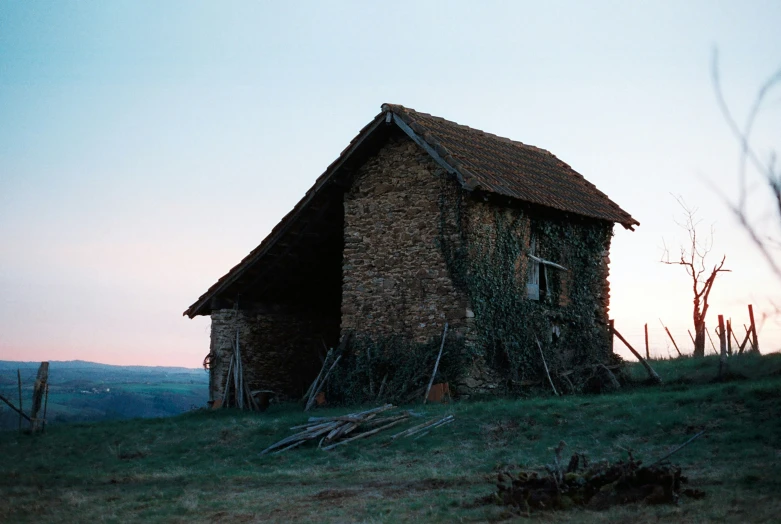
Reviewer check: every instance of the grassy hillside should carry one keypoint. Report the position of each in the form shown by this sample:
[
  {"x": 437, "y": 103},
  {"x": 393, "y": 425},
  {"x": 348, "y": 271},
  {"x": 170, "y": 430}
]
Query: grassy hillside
[
  {"x": 86, "y": 391},
  {"x": 205, "y": 466}
]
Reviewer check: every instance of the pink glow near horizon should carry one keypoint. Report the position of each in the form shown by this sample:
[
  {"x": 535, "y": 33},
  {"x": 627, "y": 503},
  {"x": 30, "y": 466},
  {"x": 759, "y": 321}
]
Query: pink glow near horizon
[{"x": 146, "y": 148}]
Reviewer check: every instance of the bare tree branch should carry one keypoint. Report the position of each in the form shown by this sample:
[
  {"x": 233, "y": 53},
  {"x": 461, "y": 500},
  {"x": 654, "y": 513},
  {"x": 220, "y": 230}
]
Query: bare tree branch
[
  {"x": 693, "y": 259},
  {"x": 749, "y": 156}
]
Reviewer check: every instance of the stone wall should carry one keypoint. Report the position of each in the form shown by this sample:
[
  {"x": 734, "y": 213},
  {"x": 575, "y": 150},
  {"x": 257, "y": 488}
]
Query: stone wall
[
  {"x": 604, "y": 295},
  {"x": 395, "y": 278},
  {"x": 400, "y": 215},
  {"x": 280, "y": 350}
]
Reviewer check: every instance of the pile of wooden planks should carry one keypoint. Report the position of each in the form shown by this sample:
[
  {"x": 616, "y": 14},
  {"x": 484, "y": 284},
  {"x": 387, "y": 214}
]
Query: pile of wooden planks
[{"x": 331, "y": 432}]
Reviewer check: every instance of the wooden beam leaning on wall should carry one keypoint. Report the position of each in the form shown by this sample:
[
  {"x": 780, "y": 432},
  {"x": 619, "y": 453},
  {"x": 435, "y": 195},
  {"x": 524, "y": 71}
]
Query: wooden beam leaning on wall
[
  {"x": 436, "y": 365},
  {"x": 545, "y": 364},
  {"x": 318, "y": 384}
]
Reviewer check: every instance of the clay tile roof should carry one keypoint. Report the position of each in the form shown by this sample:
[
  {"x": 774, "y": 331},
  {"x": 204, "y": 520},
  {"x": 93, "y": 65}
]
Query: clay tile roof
[
  {"x": 499, "y": 165},
  {"x": 480, "y": 160}
]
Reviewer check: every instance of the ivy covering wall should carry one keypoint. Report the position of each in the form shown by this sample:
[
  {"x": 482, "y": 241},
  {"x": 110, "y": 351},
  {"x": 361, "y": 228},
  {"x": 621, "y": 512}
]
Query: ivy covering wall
[{"x": 486, "y": 247}]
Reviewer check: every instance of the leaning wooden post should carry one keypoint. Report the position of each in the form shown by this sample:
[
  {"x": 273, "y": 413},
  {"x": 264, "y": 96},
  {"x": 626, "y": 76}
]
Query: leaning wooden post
[
  {"x": 436, "y": 365},
  {"x": 313, "y": 385},
  {"x": 21, "y": 409},
  {"x": 742, "y": 345},
  {"x": 656, "y": 378},
  {"x": 227, "y": 384},
  {"x": 647, "y": 351},
  {"x": 325, "y": 378},
  {"x": 10, "y": 405},
  {"x": 737, "y": 344},
  {"x": 722, "y": 345},
  {"x": 671, "y": 338},
  {"x": 610, "y": 326},
  {"x": 711, "y": 341},
  {"x": 747, "y": 340},
  {"x": 754, "y": 340}
]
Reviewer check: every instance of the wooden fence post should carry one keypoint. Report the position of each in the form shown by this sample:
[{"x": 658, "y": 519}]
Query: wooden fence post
[
  {"x": 729, "y": 337},
  {"x": 38, "y": 390},
  {"x": 647, "y": 351},
  {"x": 45, "y": 405},
  {"x": 754, "y": 340},
  {"x": 21, "y": 409},
  {"x": 722, "y": 345}
]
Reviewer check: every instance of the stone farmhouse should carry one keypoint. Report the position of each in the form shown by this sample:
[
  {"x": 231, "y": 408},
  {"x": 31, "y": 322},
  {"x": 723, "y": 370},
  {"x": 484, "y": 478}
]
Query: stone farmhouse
[{"x": 422, "y": 221}]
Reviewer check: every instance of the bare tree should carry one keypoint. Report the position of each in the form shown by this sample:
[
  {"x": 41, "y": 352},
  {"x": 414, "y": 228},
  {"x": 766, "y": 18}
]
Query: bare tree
[
  {"x": 750, "y": 158},
  {"x": 693, "y": 259}
]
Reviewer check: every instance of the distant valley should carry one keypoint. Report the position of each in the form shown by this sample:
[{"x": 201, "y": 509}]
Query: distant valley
[{"x": 82, "y": 391}]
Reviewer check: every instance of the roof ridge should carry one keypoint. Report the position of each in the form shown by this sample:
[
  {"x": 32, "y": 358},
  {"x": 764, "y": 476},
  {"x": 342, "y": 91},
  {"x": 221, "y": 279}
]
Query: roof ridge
[
  {"x": 404, "y": 109},
  {"x": 425, "y": 126}
]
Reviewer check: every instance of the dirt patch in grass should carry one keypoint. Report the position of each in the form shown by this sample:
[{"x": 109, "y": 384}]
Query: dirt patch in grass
[
  {"x": 228, "y": 516},
  {"x": 728, "y": 376},
  {"x": 130, "y": 455},
  {"x": 419, "y": 485},
  {"x": 499, "y": 433},
  {"x": 334, "y": 494},
  {"x": 393, "y": 489}
]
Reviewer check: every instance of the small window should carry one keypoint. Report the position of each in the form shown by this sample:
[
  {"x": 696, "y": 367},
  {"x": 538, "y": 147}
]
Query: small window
[
  {"x": 533, "y": 281},
  {"x": 537, "y": 282}
]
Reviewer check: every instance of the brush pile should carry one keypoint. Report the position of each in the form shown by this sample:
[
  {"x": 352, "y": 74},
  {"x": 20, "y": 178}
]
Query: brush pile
[
  {"x": 597, "y": 486},
  {"x": 331, "y": 432}
]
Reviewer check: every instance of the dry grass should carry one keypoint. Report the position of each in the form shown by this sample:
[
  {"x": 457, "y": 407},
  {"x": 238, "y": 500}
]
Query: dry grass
[{"x": 205, "y": 467}]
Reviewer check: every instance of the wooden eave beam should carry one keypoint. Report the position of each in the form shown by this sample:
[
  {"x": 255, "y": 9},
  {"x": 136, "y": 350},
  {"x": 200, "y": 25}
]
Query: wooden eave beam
[
  {"x": 288, "y": 247},
  {"x": 430, "y": 150}
]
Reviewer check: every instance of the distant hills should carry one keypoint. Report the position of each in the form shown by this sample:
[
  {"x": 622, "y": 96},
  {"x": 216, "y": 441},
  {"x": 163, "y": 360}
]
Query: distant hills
[{"x": 81, "y": 391}]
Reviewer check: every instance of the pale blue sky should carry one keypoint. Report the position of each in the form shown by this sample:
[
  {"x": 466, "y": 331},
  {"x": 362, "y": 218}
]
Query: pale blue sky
[{"x": 146, "y": 147}]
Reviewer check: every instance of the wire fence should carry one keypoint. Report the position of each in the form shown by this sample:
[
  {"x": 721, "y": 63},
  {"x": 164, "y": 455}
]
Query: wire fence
[{"x": 660, "y": 345}]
